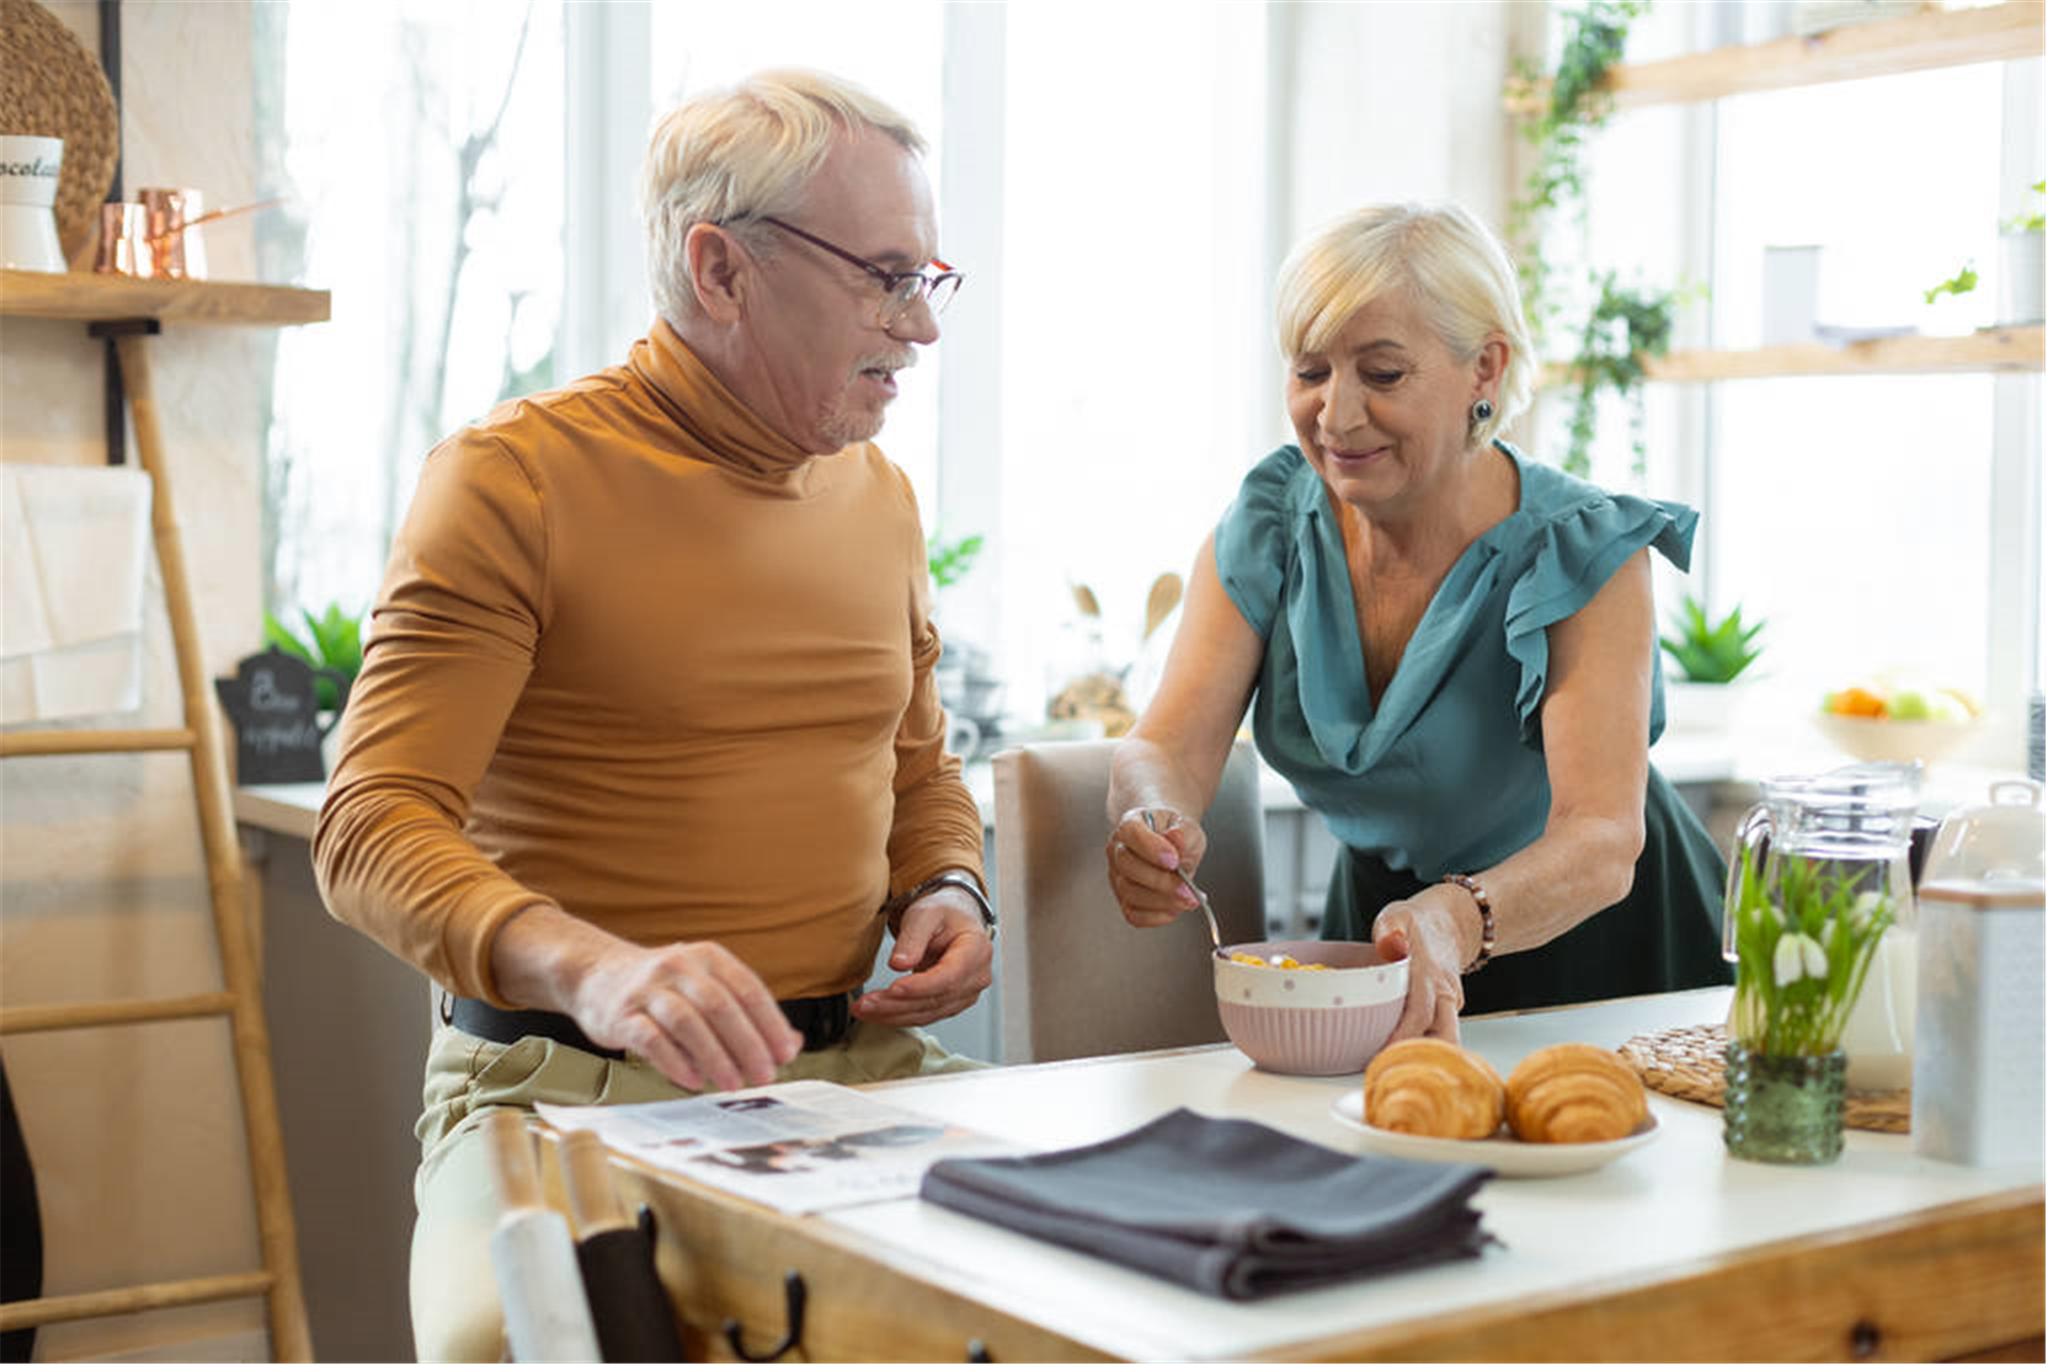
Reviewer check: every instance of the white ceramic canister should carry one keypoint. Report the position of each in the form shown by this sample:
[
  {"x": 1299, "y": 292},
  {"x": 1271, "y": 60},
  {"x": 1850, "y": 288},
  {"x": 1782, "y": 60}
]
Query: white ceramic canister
[
  {"x": 1976, "y": 1079},
  {"x": 1976, "y": 1076},
  {"x": 29, "y": 168}
]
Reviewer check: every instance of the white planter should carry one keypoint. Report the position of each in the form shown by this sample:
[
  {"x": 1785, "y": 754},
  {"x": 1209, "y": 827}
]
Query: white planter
[
  {"x": 1701, "y": 707},
  {"x": 2021, "y": 283}
]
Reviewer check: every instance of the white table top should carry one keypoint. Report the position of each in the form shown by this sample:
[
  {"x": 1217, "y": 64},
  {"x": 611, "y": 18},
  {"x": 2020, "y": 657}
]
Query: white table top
[{"x": 1676, "y": 1201}]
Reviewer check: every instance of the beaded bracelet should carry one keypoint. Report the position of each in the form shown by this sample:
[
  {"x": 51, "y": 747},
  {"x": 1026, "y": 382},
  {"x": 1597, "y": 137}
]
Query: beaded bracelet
[{"x": 1486, "y": 939}]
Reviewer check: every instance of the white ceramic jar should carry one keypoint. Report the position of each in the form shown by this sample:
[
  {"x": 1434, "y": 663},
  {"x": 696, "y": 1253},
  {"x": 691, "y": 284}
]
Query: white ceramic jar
[
  {"x": 1978, "y": 1068},
  {"x": 29, "y": 169}
]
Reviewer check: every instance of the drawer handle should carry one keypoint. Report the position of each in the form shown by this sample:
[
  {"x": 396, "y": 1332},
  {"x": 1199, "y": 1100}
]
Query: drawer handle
[{"x": 797, "y": 1295}]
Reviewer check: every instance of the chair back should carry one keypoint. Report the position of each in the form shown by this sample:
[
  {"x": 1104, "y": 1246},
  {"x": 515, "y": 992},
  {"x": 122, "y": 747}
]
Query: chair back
[{"x": 1077, "y": 978}]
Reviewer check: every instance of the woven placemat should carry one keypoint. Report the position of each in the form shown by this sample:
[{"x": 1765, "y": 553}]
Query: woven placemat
[
  {"x": 1690, "y": 1063},
  {"x": 50, "y": 86}
]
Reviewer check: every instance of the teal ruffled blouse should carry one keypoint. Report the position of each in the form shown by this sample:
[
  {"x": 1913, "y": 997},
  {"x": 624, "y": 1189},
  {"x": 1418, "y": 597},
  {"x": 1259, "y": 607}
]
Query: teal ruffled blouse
[{"x": 1446, "y": 773}]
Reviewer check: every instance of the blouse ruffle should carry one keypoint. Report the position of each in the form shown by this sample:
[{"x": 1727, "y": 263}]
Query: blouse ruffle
[{"x": 1278, "y": 548}]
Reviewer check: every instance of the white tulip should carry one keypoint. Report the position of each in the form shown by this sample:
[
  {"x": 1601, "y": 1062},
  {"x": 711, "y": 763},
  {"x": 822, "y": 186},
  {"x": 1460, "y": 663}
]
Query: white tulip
[{"x": 1789, "y": 961}]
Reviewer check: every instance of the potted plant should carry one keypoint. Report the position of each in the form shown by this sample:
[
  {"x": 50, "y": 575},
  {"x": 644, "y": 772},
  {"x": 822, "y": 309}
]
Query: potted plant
[
  {"x": 2021, "y": 297},
  {"x": 1625, "y": 326},
  {"x": 1710, "y": 656},
  {"x": 968, "y": 686},
  {"x": 1805, "y": 931},
  {"x": 331, "y": 644}
]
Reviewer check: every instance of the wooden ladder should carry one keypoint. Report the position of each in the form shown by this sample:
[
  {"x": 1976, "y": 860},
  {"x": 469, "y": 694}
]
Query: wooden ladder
[{"x": 241, "y": 1002}]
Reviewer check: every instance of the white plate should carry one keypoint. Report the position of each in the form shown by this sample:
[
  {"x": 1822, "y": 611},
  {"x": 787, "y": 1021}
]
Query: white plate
[{"x": 1508, "y": 1155}]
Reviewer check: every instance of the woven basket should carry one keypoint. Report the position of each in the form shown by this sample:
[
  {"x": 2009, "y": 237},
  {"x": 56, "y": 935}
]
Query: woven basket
[
  {"x": 1690, "y": 1063},
  {"x": 50, "y": 86}
]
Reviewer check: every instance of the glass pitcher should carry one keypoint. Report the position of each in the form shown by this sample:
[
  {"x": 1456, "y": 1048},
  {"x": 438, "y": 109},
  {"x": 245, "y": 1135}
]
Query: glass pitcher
[{"x": 1852, "y": 826}]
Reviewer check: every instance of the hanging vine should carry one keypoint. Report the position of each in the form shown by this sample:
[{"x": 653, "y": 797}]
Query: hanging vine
[{"x": 1624, "y": 324}]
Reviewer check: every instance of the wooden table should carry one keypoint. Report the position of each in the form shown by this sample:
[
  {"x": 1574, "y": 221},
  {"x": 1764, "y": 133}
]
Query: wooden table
[{"x": 1674, "y": 1251}]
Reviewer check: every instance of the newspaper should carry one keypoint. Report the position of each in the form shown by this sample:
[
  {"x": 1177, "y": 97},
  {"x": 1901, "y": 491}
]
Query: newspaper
[{"x": 803, "y": 1147}]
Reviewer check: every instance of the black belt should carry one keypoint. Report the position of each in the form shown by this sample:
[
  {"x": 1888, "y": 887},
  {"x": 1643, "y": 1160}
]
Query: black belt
[{"x": 823, "y": 1021}]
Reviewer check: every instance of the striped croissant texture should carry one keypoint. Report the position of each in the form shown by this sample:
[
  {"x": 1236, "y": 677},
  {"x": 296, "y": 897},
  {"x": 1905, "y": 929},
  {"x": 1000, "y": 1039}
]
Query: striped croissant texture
[
  {"x": 1432, "y": 1088},
  {"x": 1574, "y": 1092}
]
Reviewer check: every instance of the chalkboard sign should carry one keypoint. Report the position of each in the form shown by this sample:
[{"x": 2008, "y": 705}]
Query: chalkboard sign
[{"x": 276, "y": 715}]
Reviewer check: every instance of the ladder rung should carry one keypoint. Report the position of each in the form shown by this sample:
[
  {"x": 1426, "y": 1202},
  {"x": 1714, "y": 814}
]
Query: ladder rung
[
  {"x": 31, "y": 743},
  {"x": 52, "y": 1017},
  {"x": 115, "y": 1302}
]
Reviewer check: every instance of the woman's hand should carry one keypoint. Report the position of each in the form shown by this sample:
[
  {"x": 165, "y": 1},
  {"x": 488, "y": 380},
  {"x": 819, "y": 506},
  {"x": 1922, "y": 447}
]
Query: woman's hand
[
  {"x": 1143, "y": 858},
  {"x": 1426, "y": 931}
]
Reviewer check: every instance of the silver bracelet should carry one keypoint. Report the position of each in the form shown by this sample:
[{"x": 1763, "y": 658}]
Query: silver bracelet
[{"x": 964, "y": 880}]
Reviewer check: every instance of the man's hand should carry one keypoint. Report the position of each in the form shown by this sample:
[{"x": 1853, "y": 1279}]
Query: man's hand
[
  {"x": 693, "y": 1011},
  {"x": 946, "y": 949}
]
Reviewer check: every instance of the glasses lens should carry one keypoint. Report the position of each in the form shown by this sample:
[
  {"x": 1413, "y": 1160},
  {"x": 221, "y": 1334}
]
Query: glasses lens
[
  {"x": 937, "y": 291},
  {"x": 901, "y": 296}
]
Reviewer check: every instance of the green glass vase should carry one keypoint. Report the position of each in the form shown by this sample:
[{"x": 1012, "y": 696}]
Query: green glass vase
[{"x": 1786, "y": 1110}]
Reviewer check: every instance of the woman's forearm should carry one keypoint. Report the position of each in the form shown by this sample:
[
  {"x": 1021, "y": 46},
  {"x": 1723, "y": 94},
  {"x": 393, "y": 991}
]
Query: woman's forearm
[{"x": 1578, "y": 866}]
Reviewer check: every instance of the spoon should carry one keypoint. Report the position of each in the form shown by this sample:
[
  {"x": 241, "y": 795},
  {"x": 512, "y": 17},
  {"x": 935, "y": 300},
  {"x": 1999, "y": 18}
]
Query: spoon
[{"x": 1214, "y": 928}]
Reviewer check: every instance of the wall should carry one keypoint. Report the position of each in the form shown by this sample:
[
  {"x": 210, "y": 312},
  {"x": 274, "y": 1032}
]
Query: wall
[
  {"x": 135, "y": 1132},
  {"x": 1401, "y": 101},
  {"x": 1394, "y": 102}
]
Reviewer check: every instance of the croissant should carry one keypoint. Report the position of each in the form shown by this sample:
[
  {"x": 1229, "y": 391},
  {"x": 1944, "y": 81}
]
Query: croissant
[
  {"x": 1574, "y": 1092},
  {"x": 1433, "y": 1088}
]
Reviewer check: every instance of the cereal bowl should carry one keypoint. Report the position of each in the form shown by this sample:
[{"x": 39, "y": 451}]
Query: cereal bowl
[{"x": 1301, "y": 1021}]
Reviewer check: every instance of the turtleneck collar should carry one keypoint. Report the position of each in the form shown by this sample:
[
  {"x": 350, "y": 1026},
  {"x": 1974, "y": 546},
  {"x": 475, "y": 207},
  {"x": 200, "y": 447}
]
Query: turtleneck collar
[{"x": 712, "y": 425}]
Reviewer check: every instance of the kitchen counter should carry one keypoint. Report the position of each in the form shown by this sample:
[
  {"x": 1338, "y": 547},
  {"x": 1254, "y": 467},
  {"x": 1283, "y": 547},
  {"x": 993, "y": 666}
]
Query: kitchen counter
[{"x": 1673, "y": 1251}]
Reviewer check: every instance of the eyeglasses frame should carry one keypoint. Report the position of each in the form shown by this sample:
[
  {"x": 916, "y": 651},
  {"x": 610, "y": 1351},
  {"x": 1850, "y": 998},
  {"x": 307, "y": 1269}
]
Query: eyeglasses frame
[{"x": 891, "y": 280}]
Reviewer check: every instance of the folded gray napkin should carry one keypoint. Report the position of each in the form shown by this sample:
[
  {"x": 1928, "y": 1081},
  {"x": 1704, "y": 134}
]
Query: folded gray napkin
[{"x": 1229, "y": 1207}]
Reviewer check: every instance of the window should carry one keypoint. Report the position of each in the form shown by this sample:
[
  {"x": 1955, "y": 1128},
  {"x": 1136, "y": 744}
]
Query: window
[
  {"x": 1880, "y": 523},
  {"x": 421, "y": 150}
]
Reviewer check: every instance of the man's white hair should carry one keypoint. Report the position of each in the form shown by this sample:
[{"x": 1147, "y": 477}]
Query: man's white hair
[
  {"x": 734, "y": 155},
  {"x": 1443, "y": 258}
]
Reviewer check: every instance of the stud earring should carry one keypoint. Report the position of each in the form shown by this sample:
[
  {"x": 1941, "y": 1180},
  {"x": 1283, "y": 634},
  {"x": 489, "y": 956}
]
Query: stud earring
[{"x": 1481, "y": 411}]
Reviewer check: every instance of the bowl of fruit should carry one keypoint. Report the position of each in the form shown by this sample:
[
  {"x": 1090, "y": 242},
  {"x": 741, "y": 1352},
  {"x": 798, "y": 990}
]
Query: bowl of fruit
[{"x": 1877, "y": 722}]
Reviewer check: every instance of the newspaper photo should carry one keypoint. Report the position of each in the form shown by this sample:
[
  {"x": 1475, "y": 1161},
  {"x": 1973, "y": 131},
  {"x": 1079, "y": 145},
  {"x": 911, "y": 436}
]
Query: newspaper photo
[{"x": 806, "y": 1146}]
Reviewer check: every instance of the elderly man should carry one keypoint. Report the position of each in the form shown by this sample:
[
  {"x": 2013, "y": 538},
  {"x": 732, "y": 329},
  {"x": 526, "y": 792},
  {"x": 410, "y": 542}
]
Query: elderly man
[{"x": 646, "y": 752}]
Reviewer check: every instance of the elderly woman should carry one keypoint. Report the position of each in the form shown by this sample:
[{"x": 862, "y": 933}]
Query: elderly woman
[{"x": 1452, "y": 652}]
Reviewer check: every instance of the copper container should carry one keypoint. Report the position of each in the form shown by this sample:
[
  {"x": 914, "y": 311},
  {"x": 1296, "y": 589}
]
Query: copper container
[
  {"x": 123, "y": 240},
  {"x": 176, "y": 248}
]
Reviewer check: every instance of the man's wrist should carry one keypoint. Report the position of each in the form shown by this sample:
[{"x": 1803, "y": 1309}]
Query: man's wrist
[{"x": 957, "y": 878}]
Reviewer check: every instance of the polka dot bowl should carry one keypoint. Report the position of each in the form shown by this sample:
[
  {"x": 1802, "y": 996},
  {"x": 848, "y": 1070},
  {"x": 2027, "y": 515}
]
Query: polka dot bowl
[{"x": 1310, "y": 1022}]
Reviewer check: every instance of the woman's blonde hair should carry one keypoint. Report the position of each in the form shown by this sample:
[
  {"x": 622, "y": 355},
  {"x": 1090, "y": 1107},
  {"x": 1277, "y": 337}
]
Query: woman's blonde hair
[
  {"x": 749, "y": 150},
  {"x": 1447, "y": 261}
]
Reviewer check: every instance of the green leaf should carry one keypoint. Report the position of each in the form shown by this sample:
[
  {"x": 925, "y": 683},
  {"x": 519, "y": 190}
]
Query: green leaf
[
  {"x": 332, "y": 639},
  {"x": 1963, "y": 282},
  {"x": 950, "y": 560},
  {"x": 275, "y": 632},
  {"x": 1707, "y": 650}
]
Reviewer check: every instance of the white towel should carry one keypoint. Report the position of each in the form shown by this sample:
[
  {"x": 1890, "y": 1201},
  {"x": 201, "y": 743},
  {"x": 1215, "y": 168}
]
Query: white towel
[{"x": 74, "y": 547}]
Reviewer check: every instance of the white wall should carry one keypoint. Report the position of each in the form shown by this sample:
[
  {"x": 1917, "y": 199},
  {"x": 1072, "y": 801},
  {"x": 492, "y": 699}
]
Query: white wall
[
  {"x": 135, "y": 1132},
  {"x": 1392, "y": 102}
]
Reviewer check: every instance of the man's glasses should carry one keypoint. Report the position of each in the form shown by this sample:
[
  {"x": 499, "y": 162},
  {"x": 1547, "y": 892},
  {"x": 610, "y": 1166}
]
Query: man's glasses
[{"x": 902, "y": 287}]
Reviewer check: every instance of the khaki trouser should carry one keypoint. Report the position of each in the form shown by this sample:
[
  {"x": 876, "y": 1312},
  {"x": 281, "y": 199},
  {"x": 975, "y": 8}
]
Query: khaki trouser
[{"x": 455, "y": 1313}]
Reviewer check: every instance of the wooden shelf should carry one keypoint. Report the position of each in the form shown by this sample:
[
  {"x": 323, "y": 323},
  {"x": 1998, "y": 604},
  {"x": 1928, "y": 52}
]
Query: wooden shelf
[
  {"x": 1879, "y": 47},
  {"x": 2003, "y": 349},
  {"x": 83, "y": 297},
  {"x": 2000, "y": 349}
]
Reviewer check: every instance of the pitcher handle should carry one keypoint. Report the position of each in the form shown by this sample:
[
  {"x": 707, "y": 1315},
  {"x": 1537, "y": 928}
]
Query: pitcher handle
[{"x": 1751, "y": 838}]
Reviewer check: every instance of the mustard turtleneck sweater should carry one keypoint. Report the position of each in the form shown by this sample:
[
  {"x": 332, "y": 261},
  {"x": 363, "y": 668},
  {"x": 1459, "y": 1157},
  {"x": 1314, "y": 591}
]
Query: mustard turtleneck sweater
[{"x": 638, "y": 656}]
